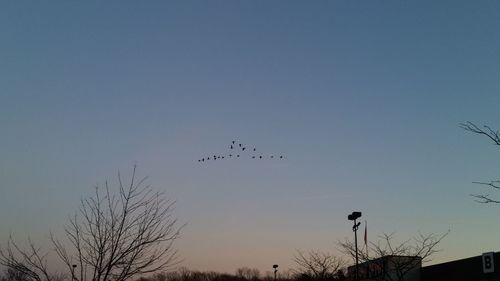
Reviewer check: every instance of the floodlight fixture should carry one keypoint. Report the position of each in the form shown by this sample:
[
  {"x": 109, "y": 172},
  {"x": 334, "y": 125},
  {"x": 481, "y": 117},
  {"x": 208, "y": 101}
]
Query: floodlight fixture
[{"x": 354, "y": 216}]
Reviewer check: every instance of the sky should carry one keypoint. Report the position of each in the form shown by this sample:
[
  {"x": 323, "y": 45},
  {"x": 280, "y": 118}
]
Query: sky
[{"x": 364, "y": 100}]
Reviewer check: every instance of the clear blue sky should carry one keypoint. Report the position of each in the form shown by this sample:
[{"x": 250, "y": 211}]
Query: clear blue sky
[{"x": 363, "y": 98}]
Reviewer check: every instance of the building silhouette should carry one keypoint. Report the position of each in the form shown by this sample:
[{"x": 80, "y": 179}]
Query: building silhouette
[{"x": 485, "y": 267}]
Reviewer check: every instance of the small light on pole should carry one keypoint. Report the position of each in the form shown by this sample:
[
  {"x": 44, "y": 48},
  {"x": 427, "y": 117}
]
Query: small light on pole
[
  {"x": 275, "y": 266},
  {"x": 353, "y": 217},
  {"x": 73, "y": 272}
]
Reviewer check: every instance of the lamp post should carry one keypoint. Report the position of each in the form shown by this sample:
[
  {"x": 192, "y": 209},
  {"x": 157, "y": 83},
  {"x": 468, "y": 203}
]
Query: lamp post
[
  {"x": 353, "y": 217},
  {"x": 275, "y": 266},
  {"x": 73, "y": 272}
]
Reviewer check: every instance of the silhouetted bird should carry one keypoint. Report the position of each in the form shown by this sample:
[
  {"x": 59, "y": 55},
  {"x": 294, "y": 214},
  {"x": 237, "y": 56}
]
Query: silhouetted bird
[
  {"x": 240, "y": 144},
  {"x": 281, "y": 156},
  {"x": 254, "y": 149},
  {"x": 243, "y": 149},
  {"x": 222, "y": 157},
  {"x": 230, "y": 155},
  {"x": 260, "y": 157},
  {"x": 233, "y": 142},
  {"x": 231, "y": 146},
  {"x": 203, "y": 159},
  {"x": 272, "y": 156},
  {"x": 238, "y": 155},
  {"x": 253, "y": 157}
]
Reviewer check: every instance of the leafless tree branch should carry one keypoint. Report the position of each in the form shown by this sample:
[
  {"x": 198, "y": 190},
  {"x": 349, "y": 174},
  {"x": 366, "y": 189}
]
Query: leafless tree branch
[
  {"x": 484, "y": 198},
  {"x": 495, "y": 137},
  {"x": 485, "y": 130},
  {"x": 30, "y": 261},
  {"x": 318, "y": 265},
  {"x": 409, "y": 254},
  {"x": 113, "y": 236}
]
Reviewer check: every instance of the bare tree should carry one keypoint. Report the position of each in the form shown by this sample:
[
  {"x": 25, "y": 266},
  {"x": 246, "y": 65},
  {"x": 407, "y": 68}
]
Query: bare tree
[
  {"x": 390, "y": 260},
  {"x": 495, "y": 137},
  {"x": 13, "y": 275},
  {"x": 248, "y": 273},
  {"x": 29, "y": 262},
  {"x": 113, "y": 236},
  {"x": 317, "y": 265}
]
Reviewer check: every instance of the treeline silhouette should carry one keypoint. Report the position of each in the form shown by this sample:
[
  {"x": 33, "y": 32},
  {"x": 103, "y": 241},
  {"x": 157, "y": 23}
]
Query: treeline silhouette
[
  {"x": 241, "y": 274},
  {"x": 184, "y": 274}
]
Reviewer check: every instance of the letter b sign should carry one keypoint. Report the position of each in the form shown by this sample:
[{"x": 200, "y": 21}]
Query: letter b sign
[{"x": 488, "y": 262}]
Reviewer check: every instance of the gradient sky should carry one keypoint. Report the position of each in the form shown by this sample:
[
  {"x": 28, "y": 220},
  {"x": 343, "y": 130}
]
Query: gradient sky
[{"x": 364, "y": 99}]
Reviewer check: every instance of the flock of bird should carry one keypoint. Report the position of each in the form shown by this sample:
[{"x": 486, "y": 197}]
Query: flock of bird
[{"x": 238, "y": 150}]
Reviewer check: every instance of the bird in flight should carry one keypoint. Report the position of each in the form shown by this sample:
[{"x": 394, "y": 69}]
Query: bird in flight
[{"x": 244, "y": 152}]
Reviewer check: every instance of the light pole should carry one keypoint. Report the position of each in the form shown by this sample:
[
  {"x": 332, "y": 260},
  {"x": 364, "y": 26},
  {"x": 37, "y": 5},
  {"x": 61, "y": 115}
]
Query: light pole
[
  {"x": 353, "y": 217},
  {"x": 275, "y": 266},
  {"x": 73, "y": 272}
]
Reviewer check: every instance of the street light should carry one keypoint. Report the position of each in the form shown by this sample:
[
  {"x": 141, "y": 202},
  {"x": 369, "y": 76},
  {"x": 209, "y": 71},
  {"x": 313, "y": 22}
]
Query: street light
[
  {"x": 73, "y": 272},
  {"x": 275, "y": 266},
  {"x": 353, "y": 217}
]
